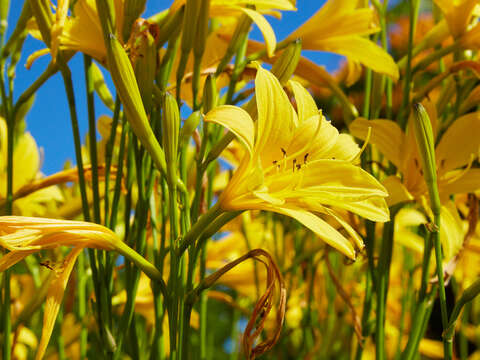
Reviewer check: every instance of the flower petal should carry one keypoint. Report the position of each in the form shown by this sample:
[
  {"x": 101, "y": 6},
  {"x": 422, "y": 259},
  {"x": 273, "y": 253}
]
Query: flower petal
[
  {"x": 386, "y": 136},
  {"x": 237, "y": 121},
  {"x": 306, "y": 106},
  {"x": 13, "y": 257},
  {"x": 468, "y": 182},
  {"x": 397, "y": 192},
  {"x": 276, "y": 117},
  {"x": 366, "y": 52},
  {"x": 451, "y": 232},
  {"x": 265, "y": 29},
  {"x": 321, "y": 228},
  {"x": 374, "y": 209},
  {"x": 339, "y": 181},
  {"x": 54, "y": 298},
  {"x": 465, "y": 131},
  {"x": 345, "y": 148},
  {"x": 318, "y": 147},
  {"x": 336, "y": 18}
]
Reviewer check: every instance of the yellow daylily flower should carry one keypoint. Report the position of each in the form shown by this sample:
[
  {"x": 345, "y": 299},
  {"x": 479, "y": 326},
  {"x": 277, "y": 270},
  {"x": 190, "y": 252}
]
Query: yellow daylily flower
[
  {"x": 400, "y": 148},
  {"x": 457, "y": 13},
  {"x": 297, "y": 164},
  {"x": 26, "y": 235},
  {"x": 234, "y": 8},
  {"x": 339, "y": 27},
  {"x": 82, "y": 32}
]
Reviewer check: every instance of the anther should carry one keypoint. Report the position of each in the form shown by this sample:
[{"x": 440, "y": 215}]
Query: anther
[
  {"x": 283, "y": 152},
  {"x": 294, "y": 162},
  {"x": 305, "y": 158},
  {"x": 299, "y": 166}
]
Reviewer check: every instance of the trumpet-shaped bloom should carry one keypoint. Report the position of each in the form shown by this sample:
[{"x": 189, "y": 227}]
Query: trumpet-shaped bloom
[
  {"x": 399, "y": 148},
  {"x": 82, "y": 32},
  {"x": 234, "y": 8},
  {"x": 25, "y": 235},
  {"x": 339, "y": 27},
  {"x": 298, "y": 164},
  {"x": 457, "y": 13}
]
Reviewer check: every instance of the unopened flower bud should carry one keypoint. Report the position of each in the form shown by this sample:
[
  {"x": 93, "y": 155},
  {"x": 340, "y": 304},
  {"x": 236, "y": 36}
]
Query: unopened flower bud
[
  {"x": 101, "y": 88},
  {"x": 210, "y": 94},
  {"x": 285, "y": 65},
  {"x": 170, "y": 129},
  {"x": 189, "y": 127},
  {"x": 423, "y": 131}
]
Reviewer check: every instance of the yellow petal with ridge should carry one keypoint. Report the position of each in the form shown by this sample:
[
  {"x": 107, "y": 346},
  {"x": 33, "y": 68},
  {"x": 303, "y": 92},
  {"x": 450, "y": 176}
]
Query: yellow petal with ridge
[{"x": 237, "y": 121}]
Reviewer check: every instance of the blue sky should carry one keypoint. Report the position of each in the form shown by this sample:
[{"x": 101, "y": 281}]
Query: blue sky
[{"x": 49, "y": 118}]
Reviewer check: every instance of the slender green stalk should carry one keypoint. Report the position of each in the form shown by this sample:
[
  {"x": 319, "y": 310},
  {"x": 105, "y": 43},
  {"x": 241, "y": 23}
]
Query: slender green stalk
[
  {"x": 108, "y": 159},
  {"x": 448, "y": 345},
  {"x": 367, "y": 91},
  {"x": 6, "y": 323},
  {"x": 383, "y": 273},
  {"x": 82, "y": 304},
  {"x": 198, "y": 228},
  {"x": 92, "y": 132},
  {"x": 419, "y": 320},
  {"x": 403, "y": 112}
]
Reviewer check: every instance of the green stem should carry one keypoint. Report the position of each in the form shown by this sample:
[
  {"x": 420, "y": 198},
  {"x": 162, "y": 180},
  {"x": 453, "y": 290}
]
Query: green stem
[
  {"x": 419, "y": 322},
  {"x": 468, "y": 295},
  {"x": 198, "y": 228},
  {"x": 108, "y": 159},
  {"x": 448, "y": 345},
  {"x": 383, "y": 272},
  {"x": 7, "y": 323},
  {"x": 403, "y": 114},
  {"x": 92, "y": 132},
  {"x": 82, "y": 304},
  {"x": 149, "y": 269}
]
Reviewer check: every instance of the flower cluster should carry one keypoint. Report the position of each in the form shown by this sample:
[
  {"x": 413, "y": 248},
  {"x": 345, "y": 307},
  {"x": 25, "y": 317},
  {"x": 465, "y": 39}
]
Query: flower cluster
[{"x": 242, "y": 200}]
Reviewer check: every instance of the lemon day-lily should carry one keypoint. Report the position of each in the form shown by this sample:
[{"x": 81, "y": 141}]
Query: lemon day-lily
[
  {"x": 254, "y": 9},
  {"x": 298, "y": 164},
  {"x": 400, "y": 149},
  {"x": 81, "y": 32},
  {"x": 339, "y": 27},
  {"x": 23, "y": 236}
]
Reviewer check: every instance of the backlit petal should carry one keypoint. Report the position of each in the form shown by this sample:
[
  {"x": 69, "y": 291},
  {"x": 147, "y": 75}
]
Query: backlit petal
[
  {"x": 321, "y": 228},
  {"x": 265, "y": 29},
  {"x": 306, "y": 106},
  {"x": 237, "y": 121},
  {"x": 54, "y": 299},
  {"x": 276, "y": 117},
  {"x": 386, "y": 136},
  {"x": 364, "y": 51},
  {"x": 465, "y": 131},
  {"x": 451, "y": 231},
  {"x": 397, "y": 192}
]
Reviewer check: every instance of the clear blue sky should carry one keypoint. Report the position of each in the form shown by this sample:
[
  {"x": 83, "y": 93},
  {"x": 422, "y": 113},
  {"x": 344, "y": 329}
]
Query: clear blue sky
[{"x": 49, "y": 118}]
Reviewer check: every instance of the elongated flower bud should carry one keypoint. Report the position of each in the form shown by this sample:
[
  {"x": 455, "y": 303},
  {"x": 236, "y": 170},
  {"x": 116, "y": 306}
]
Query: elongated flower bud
[
  {"x": 202, "y": 28},
  {"x": 101, "y": 88},
  {"x": 426, "y": 149},
  {"x": 285, "y": 65},
  {"x": 189, "y": 127},
  {"x": 132, "y": 9},
  {"x": 210, "y": 94},
  {"x": 145, "y": 62},
  {"x": 127, "y": 88},
  {"x": 170, "y": 131}
]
